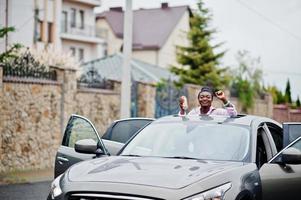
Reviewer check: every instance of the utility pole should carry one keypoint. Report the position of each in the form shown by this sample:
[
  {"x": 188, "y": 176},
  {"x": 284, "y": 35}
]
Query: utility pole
[
  {"x": 6, "y": 24},
  {"x": 127, "y": 54},
  {"x": 36, "y": 18}
]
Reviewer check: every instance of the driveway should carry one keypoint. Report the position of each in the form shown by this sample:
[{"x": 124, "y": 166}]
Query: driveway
[{"x": 25, "y": 191}]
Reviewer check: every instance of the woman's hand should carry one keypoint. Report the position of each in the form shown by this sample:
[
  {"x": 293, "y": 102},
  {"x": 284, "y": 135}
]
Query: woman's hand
[{"x": 221, "y": 96}]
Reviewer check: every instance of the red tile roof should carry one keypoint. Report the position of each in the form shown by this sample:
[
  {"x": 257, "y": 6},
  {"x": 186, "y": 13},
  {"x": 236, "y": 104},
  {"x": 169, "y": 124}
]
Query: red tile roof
[{"x": 151, "y": 27}]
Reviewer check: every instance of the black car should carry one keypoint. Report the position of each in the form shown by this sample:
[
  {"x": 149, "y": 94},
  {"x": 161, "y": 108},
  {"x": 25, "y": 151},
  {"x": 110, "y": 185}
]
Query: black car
[{"x": 188, "y": 158}]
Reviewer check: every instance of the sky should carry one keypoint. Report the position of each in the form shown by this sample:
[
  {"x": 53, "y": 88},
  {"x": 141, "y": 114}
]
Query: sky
[{"x": 269, "y": 29}]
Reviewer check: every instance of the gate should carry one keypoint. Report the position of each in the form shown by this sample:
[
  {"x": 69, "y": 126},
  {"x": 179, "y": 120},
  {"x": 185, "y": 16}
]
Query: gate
[
  {"x": 167, "y": 99},
  {"x": 134, "y": 99}
]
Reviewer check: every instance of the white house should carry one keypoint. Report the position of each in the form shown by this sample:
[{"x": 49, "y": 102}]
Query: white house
[{"x": 67, "y": 25}]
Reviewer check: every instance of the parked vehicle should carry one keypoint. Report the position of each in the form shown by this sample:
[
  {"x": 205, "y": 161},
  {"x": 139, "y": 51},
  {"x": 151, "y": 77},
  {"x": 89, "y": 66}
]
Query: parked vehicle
[{"x": 187, "y": 158}]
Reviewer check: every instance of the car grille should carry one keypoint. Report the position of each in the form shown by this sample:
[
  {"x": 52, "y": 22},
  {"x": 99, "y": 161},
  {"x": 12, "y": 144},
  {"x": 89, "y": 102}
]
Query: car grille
[{"x": 96, "y": 196}]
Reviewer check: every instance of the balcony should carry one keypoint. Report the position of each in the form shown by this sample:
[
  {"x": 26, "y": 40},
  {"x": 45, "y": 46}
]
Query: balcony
[
  {"x": 93, "y": 3},
  {"x": 80, "y": 32}
]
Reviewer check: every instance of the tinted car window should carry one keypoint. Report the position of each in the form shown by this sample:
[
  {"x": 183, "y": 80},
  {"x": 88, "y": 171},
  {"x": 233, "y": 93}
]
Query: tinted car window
[
  {"x": 124, "y": 130},
  {"x": 297, "y": 145},
  {"x": 189, "y": 139},
  {"x": 78, "y": 129},
  {"x": 294, "y": 132}
]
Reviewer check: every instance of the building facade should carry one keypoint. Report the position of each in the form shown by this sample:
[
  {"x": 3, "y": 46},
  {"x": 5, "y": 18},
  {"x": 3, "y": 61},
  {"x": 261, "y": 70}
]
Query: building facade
[{"x": 67, "y": 25}]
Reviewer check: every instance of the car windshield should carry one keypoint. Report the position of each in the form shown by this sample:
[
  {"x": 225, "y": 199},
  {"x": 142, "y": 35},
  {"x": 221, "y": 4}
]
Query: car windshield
[{"x": 191, "y": 140}]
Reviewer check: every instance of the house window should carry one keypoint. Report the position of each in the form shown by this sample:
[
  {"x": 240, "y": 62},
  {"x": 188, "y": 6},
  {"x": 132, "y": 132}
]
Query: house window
[
  {"x": 81, "y": 55},
  {"x": 50, "y": 32},
  {"x": 82, "y": 19},
  {"x": 73, "y": 17},
  {"x": 105, "y": 50},
  {"x": 39, "y": 32},
  {"x": 72, "y": 49},
  {"x": 65, "y": 22}
]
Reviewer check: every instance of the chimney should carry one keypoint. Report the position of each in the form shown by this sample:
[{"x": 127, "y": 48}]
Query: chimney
[
  {"x": 164, "y": 5},
  {"x": 118, "y": 9}
]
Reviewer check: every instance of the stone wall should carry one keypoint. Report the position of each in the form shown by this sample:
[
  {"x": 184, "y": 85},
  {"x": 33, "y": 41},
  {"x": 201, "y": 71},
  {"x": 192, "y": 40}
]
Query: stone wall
[
  {"x": 295, "y": 115},
  {"x": 283, "y": 113},
  {"x": 101, "y": 107},
  {"x": 30, "y": 124},
  {"x": 34, "y": 113},
  {"x": 262, "y": 107}
]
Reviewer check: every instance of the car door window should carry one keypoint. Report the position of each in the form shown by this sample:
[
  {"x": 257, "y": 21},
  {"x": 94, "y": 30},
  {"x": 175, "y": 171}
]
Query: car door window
[
  {"x": 291, "y": 132},
  {"x": 297, "y": 145},
  {"x": 124, "y": 130},
  {"x": 78, "y": 129}
]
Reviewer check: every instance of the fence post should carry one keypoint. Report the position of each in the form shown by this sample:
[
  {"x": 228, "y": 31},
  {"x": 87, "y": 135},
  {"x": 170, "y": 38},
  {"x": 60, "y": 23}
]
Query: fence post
[
  {"x": 67, "y": 79},
  {"x": 146, "y": 100},
  {"x": 69, "y": 93},
  {"x": 269, "y": 99}
]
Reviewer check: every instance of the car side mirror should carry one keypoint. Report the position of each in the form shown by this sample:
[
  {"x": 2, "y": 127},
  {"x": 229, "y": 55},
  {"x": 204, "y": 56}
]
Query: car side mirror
[
  {"x": 87, "y": 146},
  {"x": 291, "y": 156}
]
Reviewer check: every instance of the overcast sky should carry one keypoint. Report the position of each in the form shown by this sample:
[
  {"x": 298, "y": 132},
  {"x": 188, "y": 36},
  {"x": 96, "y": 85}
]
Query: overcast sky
[{"x": 270, "y": 29}]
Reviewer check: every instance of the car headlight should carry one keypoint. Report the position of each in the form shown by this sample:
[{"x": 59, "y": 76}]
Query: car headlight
[
  {"x": 217, "y": 193},
  {"x": 55, "y": 187}
]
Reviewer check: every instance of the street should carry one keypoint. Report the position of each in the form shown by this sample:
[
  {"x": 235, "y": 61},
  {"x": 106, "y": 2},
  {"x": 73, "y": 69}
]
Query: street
[{"x": 26, "y": 191}]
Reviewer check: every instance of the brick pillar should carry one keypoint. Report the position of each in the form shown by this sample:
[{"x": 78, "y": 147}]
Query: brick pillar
[
  {"x": 270, "y": 105},
  {"x": 67, "y": 78},
  {"x": 146, "y": 100}
]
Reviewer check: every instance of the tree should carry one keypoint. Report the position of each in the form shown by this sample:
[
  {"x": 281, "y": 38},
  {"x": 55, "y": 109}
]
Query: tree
[
  {"x": 199, "y": 61},
  {"x": 288, "y": 98},
  {"x": 246, "y": 84},
  {"x": 12, "y": 51},
  {"x": 278, "y": 97}
]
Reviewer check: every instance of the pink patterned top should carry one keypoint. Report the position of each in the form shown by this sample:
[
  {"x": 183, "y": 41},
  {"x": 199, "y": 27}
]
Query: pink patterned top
[{"x": 226, "y": 111}]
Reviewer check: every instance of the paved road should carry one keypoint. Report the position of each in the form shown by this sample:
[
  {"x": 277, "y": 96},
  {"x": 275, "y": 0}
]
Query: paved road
[{"x": 27, "y": 191}]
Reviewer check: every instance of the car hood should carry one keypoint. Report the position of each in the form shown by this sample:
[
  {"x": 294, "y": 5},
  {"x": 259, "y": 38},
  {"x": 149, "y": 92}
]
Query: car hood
[{"x": 151, "y": 171}]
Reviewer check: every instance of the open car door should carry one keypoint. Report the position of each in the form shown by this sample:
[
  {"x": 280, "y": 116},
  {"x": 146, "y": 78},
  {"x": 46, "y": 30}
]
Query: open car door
[
  {"x": 281, "y": 176},
  {"x": 78, "y": 128}
]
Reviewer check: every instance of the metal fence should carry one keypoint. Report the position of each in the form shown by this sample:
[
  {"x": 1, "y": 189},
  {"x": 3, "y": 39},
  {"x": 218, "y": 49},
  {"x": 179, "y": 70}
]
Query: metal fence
[
  {"x": 92, "y": 79},
  {"x": 167, "y": 99},
  {"x": 25, "y": 66}
]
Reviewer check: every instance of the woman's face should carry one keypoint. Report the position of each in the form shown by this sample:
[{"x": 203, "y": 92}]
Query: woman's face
[{"x": 205, "y": 99}]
